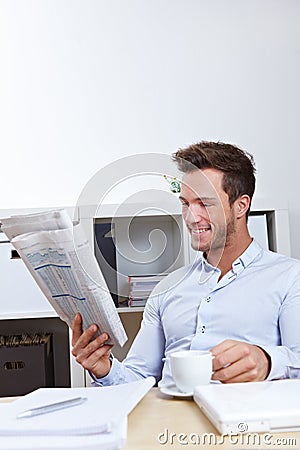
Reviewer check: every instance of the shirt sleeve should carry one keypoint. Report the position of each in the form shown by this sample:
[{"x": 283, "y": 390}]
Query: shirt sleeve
[
  {"x": 145, "y": 357},
  {"x": 284, "y": 363},
  {"x": 285, "y": 359}
]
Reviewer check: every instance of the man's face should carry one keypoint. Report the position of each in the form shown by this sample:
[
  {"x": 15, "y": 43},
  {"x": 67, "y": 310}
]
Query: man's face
[{"x": 206, "y": 210}]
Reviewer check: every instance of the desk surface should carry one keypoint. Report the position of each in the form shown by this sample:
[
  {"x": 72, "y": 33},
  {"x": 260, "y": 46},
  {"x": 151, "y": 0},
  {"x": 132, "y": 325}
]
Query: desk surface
[
  {"x": 160, "y": 417},
  {"x": 160, "y": 422}
]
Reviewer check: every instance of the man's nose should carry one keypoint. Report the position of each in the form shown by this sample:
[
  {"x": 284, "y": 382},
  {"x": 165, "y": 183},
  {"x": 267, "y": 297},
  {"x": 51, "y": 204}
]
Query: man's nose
[{"x": 194, "y": 213}]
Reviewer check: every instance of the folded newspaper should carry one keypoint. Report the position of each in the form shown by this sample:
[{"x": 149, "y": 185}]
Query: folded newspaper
[{"x": 45, "y": 242}]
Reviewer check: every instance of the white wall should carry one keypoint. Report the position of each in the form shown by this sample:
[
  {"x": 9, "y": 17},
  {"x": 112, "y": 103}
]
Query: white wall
[{"x": 83, "y": 83}]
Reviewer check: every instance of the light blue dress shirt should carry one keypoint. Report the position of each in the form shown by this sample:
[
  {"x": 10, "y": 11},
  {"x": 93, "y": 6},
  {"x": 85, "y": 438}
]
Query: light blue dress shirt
[{"x": 257, "y": 302}]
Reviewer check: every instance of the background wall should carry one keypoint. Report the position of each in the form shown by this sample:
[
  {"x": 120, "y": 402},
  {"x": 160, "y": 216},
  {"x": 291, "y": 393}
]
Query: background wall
[{"x": 83, "y": 83}]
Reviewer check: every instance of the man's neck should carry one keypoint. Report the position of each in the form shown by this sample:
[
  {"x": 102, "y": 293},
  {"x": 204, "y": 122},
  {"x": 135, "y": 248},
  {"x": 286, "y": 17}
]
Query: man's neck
[{"x": 223, "y": 260}]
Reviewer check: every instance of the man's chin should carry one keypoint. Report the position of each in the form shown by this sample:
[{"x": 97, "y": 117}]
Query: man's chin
[
  {"x": 217, "y": 247},
  {"x": 198, "y": 247}
]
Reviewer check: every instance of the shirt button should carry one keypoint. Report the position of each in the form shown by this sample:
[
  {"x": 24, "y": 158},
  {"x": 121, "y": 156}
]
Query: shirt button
[
  {"x": 203, "y": 329},
  {"x": 208, "y": 299}
]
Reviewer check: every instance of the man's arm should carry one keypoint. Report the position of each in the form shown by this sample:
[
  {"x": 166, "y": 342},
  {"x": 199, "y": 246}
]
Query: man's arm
[
  {"x": 239, "y": 361},
  {"x": 285, "y": 358},
  {"x": 145, "y": 357}
]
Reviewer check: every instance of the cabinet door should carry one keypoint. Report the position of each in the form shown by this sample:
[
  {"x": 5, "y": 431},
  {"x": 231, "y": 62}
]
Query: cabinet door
[{"x": 19, "y": 291}]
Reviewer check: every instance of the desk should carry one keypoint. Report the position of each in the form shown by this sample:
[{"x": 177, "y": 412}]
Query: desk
[
  {"x": 158, "y": 416},
  {"x": 157, "y": 413}
]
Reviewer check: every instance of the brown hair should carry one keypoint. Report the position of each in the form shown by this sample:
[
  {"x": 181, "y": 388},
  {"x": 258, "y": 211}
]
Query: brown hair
[{"x": 236, "y": 164}]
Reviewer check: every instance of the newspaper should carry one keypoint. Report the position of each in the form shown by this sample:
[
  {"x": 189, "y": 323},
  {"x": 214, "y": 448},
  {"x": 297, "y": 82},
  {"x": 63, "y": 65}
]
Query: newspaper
[{"x": 46, "y": 244}]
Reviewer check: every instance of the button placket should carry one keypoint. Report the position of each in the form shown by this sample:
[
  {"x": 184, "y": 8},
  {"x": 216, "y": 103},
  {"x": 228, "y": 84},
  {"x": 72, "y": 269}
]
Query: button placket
[
  {"x": 203, "y": 312},
  {"x": 206, "y": 301}
]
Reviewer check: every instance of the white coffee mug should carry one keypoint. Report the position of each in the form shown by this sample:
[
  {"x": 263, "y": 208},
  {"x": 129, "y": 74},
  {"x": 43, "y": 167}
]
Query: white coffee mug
[{"x": 191, "y": 368}]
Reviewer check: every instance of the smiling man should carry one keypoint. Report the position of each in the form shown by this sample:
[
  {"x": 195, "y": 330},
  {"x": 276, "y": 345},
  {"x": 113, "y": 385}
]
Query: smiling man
[
  {"x": 216, "y": 203},
  {"x": 237, "y": 300}
]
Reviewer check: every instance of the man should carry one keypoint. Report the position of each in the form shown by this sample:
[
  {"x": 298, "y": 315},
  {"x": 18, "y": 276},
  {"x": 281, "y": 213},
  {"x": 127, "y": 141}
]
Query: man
[{"x": 237, "y": 300}]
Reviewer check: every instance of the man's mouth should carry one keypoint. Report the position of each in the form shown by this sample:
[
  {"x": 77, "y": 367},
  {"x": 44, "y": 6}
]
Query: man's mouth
[{"x": 200, "y": 230}]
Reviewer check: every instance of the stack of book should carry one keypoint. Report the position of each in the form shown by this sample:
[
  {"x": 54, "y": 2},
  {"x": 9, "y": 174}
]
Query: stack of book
[{"x": 140, "y": 287}]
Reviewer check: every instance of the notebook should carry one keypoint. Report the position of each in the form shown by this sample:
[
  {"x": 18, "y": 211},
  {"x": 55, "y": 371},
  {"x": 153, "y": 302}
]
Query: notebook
[
  {"x": 251, "y": 407},
  {"x": 114, "y": 440},
  {"x": 98, "y": 423}
]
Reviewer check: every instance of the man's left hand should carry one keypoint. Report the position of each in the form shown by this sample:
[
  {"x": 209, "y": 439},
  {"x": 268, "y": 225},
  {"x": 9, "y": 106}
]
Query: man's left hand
[{"x": 236, "y": 362}]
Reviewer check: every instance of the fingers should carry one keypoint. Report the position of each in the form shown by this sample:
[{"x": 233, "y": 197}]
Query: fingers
[
  {"x": 241, "y": 370},
  {"x": 236, "y": 361},
  {"x": 90, "y": 361},
  {"x": 94, "y": 356},
  {"x": 76, "y": 328},
  {"x": 80, "y": 338},
  {"x": 228, "y": 352},
  {"x": 91, "y": 352},
  {"x": 86, "y": 337},
  {"x": 85, "y": 345}
]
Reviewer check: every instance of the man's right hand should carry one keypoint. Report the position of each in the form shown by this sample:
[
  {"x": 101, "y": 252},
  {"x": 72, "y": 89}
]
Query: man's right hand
[{"x": 92, "y": 354}]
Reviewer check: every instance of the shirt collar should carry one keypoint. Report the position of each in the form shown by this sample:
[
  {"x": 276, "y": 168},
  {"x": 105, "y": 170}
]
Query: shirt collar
[
  {"x": 248, "y": 256},
  {"x": 251, "y": 252},
  {"x": 207, "y": 270}
]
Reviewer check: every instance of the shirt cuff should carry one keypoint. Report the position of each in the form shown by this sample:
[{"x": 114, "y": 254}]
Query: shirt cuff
[
  {"x": 114, "y": 376},
  {"x": 284, "y": 363}
]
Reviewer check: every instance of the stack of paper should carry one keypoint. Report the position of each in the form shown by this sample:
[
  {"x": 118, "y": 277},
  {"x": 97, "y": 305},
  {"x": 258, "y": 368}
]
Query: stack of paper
[
  {"x": 98, "y": 423},
  {"x": 141, "y": 286}
]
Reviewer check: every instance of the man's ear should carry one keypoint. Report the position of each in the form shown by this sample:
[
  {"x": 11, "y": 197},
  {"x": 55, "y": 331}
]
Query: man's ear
[{"x": 242, "y": 204}]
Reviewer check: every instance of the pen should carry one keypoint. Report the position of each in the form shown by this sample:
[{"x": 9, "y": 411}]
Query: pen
[{"x": 51, "y": 407}]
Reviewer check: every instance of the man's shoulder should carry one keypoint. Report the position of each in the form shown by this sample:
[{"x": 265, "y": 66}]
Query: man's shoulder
[
  {"x": 177, "y": 276},
  {"x": 272, "y": 259}
]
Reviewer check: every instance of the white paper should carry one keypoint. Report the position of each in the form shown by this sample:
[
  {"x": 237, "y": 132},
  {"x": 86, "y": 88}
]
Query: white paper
[
  {"x": 104, "y": 410},
  {"x": 54, "y": 257},
  {"x": 114, "y": 440},
  {"x": 48, "y": 220}
]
